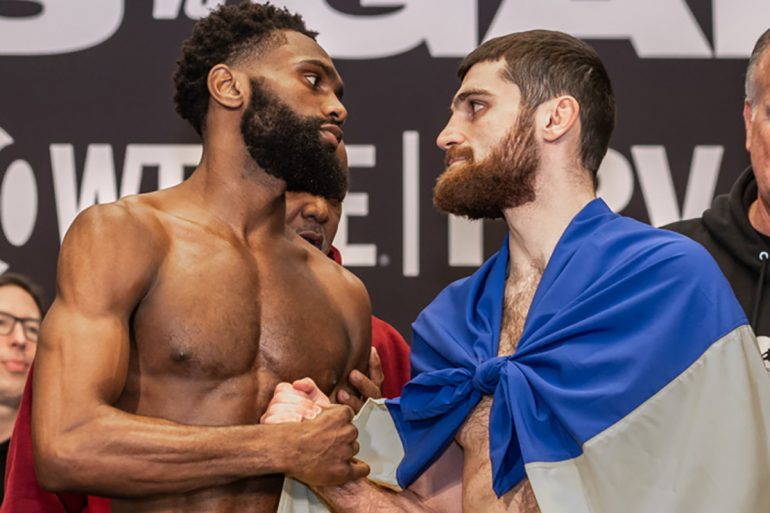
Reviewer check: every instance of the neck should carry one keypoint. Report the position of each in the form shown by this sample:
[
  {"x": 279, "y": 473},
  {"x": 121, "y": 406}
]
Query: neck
[
  {"x": 232, "y": 188},
  {"x": 535, "y": 228},
  {"x": 759, "y": 216}
]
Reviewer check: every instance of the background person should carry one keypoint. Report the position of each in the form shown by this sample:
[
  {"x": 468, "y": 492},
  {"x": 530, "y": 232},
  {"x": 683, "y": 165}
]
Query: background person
[
  {"x": 21, "y": 309},
  {"x": 736, "y": 229}
]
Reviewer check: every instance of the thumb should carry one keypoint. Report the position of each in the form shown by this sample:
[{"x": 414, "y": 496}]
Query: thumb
[
  {"x": 309, "y": 387},
  {"x": 360, "y": 469}
]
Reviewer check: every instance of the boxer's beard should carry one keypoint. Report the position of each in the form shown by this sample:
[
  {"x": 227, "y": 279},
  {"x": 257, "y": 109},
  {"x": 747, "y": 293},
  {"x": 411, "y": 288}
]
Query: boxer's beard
[
  {"x": 505, "y": 179},
  {"x": 290, "y": 147}
]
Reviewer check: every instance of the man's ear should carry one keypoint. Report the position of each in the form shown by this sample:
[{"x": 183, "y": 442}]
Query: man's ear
[
  {"x": 225, "y": 87},
  {"x": 747, "y": 122},
  {"x": 560, "y": 114}
]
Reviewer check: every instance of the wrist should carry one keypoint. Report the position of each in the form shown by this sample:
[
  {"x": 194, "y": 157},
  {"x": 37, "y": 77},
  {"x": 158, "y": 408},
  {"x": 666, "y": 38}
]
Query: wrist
[{"x": 276, "y": 445}]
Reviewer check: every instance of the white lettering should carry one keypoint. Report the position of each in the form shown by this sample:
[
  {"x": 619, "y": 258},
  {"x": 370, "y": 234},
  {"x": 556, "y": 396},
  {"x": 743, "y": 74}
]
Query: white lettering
[
  {"x": 171, "y": 160},
  {"x": 5, "y": 139},
  {"x": 656, "y": 28},
  {"x": 737, "y": 25},
  {"x": 411, "y": 203},
  {"x": 18, "y": 203},
  {"x": 466, "y": 242},
  {"x": 98, "y": 184},
  {"x": 356, "y": 204},
  {"x": 365, "y": 255},
  {"x": 657, "y": 186},
  {"x": 704, "y": 172},
  {"x": 616, "y": 180},
  {"x": 447, "y": 27},
  {"x": 61, "y": 27},
  {"x": 193, "y": 9},
  {"x": 166, "y": 9}
]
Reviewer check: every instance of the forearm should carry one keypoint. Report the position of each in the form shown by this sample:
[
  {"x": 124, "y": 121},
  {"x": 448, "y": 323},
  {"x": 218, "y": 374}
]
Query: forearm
[
  {"x": 118, "y": 454},
  {"x": 363, "y": 496}
]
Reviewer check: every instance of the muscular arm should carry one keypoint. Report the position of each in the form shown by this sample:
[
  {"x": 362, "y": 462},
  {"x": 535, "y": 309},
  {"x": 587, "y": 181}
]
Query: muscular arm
[
  {"x": 362, "y": 496},
  {"x": 108, "y": 261},
  {"x": 439, "y": 489}
]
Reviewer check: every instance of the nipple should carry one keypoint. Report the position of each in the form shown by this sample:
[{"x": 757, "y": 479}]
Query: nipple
[{"x": 181, "y": 355}]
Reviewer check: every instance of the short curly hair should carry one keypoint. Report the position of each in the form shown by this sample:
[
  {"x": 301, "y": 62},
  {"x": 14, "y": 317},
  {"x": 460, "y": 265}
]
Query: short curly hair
[{"x": 227, "y": 35}]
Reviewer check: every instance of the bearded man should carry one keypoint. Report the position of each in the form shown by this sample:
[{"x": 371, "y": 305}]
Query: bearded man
[
  {"x": 179, "y": 311},
  {"x": 594, "y": 364}
]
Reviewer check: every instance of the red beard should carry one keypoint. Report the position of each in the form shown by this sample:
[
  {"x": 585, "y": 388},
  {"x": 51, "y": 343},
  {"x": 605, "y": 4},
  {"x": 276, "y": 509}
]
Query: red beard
[{"x": 505, "y": 179}]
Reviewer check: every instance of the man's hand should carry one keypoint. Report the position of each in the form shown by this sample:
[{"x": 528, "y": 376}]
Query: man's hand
[
  {"x": 325, "y": 443},
  {"x": 369, "y": 387},
  {"x": 324, "y": 448},
  {"x": 295, "y": 402}
]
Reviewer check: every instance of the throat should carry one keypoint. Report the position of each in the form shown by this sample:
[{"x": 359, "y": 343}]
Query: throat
[{"x": 520, "y": 289}]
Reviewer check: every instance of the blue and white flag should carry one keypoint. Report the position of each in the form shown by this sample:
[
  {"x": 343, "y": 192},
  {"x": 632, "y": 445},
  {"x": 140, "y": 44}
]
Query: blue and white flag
[{"x": 636, "y": 386}]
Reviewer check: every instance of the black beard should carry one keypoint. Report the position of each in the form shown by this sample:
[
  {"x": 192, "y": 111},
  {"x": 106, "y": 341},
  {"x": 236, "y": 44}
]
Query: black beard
[
  {"x": 290, "y": 147},
  {"x": 505, "y": 179}
]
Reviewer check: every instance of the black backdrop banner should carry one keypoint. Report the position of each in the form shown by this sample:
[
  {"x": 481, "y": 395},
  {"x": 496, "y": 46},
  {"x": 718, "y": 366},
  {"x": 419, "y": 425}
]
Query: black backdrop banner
[{"x": 86, "y": 116}]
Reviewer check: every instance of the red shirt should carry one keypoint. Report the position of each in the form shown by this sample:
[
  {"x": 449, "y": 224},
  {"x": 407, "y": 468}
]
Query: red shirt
[{"x": 22, "y": 491}]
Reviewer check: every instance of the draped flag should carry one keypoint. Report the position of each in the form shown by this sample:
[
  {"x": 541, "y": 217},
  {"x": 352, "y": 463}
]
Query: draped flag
[{"x": 636, "y": 385}]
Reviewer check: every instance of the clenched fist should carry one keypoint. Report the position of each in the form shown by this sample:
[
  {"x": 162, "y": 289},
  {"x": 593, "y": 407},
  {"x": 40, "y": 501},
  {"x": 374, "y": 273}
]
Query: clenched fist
[
  {"x": 322, "y": 440},
  {"x": 324, "y": 448}
]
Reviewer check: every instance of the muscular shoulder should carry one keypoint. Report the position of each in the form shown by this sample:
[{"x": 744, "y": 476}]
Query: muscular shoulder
[
  {"x": 113, "y": 247},
  {"x": 344, "y": 288},
  {"x": 121, "y": 219},
  {"x": 347, "y": 288}
]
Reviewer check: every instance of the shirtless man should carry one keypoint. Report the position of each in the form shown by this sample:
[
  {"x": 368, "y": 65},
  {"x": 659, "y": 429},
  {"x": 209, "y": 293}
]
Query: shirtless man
[
  {"x": 177, "y": 312},
  {"x": 562, "y": 365}
]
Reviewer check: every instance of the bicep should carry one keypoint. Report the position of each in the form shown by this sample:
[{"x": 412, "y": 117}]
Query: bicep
[{"x": 82, "y": 359}]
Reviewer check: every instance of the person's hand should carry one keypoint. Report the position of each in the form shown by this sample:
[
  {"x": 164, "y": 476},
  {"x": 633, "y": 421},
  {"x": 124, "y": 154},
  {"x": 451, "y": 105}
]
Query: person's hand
[
  {"x": 323, "y": 448},
  {"x": 368, "y": 386},
  {"x": 293, "y": 402}
]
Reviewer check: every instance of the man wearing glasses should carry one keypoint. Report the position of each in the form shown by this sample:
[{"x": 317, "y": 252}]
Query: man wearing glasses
[{"x": 21, "y": 308}]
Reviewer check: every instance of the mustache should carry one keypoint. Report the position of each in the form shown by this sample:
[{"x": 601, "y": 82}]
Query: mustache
[
  {"x": 457, "y": 152},
  {"x": 310, "y": 227}
]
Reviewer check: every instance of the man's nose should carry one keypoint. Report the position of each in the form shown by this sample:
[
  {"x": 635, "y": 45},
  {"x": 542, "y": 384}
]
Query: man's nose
[
  {"x": 317, "y": 208},
  {"x": 449, "y": 136},
  {"x": 18, "y": 337},
  {"x": 335, "y": 110}
]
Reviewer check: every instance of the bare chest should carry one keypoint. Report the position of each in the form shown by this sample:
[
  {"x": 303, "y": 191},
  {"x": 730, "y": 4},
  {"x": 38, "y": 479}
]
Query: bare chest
[
  {"x": 473, "y": 437},
  {"x": 223, "y": 325}
]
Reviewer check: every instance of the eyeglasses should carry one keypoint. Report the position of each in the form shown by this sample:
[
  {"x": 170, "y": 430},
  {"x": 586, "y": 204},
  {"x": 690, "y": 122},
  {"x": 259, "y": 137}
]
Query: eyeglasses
[{"x": 31, "y": 326}]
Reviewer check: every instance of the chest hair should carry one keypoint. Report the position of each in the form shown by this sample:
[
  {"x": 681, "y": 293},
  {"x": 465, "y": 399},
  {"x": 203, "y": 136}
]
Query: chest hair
[{"x": 519, "y": 291}]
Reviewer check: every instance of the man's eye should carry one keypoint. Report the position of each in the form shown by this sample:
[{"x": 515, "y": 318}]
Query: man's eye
[
  {"x": 312, "y": 78},
  {"x": 475, "y": 106}
]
